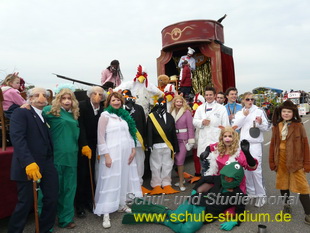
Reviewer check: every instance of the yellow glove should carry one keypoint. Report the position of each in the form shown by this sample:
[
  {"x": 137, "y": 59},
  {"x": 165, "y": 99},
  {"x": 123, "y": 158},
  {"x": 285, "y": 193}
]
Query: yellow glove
[
  {"x": 33, "y": 171},
  {"x": 86, "y": 151}
]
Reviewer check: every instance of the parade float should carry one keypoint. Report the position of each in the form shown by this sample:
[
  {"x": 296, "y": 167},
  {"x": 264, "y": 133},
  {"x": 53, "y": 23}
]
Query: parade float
[{"x": 214, "y": 60}]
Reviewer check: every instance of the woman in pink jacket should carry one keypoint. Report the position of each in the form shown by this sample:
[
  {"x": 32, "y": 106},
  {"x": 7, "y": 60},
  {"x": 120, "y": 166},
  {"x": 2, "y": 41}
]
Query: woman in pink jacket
[
  {"x": 11, "y": 95},
  {"x": 185, "y": 134}
]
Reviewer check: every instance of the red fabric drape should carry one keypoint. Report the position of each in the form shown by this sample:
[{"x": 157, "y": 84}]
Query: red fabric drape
[
  {"x": 164, "y": 58},
  {"x": 8, "y": 188},
  {"x": 228, "y": 70}
]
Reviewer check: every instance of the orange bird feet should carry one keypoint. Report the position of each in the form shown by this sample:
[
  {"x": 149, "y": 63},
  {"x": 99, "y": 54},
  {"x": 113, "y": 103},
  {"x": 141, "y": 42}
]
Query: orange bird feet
[
  {"x": 194, "y": 179},
  {"x": 157, "y": 190},
  {"x": 145, "y": 190},
  {"x": 187, "y": 175},
  {"x": 169, "y": 190}
]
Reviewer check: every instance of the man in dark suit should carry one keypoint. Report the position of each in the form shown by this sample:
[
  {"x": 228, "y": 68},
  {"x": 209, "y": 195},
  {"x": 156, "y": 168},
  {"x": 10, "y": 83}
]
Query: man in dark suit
[
  {"x": 90, "y": 110},
  {"x": 33, "y": 160}
]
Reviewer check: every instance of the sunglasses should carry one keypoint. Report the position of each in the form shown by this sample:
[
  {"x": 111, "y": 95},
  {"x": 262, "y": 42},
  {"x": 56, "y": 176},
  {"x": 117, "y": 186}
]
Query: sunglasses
[{"x": 248, "y": 99}]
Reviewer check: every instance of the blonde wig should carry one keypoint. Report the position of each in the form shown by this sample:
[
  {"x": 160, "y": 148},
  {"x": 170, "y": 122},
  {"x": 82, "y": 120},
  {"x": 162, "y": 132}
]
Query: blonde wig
[
  {"x": 185, "y": 105},
  {"x": 222, "y": 148},
  {"x": 56, "y": 104},
  {"x": 246, "y": 94}
]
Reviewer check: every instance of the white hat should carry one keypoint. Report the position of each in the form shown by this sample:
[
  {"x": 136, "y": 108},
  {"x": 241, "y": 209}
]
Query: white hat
[{"x": 190, "y": 51}]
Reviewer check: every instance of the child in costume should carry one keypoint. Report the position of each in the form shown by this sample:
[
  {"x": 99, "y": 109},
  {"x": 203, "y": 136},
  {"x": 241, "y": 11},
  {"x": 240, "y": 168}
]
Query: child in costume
[
  {"x": 11, "y": 95},
  {"x": 245, "y": 119},
  {"x": 62, "y": 118},
  {"x": 225, "y": 187},
  {"x": 163, "y": 143},
  {"x": 208, "y": 117},
  {"x": 289, "y": 155},
  {"x": 185, "y": 134},
  {"x": 112, "y": 74},
  {"x": 228, "y": 149}
]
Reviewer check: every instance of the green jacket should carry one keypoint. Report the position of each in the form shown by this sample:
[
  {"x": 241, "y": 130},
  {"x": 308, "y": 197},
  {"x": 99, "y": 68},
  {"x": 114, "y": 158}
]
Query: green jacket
[{"x": 65, "y": 133}]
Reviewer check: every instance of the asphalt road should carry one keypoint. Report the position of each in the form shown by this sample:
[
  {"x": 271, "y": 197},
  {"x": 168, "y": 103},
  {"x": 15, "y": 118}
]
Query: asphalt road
[{"x": 93, "y": 223}]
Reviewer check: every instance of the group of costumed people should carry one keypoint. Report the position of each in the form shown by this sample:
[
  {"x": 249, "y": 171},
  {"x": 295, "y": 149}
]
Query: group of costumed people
[{"x": 91, "y": 156}]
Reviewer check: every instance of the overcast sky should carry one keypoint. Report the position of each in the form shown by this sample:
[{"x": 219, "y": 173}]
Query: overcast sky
[{"x": 78, "y": 38}]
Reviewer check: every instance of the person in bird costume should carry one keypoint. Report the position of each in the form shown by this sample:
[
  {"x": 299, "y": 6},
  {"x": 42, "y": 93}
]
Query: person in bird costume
[
  {"x": 137, "y": 113},
  {"x": 169, "y": 93},
  {"x": 163, "y": 143},
  {"x": 200, "y": 208},
  {"x": 141, "y": 89}
]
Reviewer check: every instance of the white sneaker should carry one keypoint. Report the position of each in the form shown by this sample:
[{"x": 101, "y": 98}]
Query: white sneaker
[
  {"x": 182, "y": 188},
  {"x": 178, "y": 183},
  {"x": 260, "y": 201},
  {"x": 106, "y": 221},
  {"x": 124, "y": 208}
]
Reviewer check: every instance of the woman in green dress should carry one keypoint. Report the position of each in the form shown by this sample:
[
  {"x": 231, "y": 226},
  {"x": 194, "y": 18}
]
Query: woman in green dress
[{"x": 62, "y": 117}]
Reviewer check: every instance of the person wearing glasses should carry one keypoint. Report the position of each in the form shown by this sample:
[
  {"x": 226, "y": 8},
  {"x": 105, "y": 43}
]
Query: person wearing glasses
[{"x": 248, "y": 118}]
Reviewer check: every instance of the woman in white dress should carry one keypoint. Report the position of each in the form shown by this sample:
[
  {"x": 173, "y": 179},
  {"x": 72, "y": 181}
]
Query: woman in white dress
[{"x": 117, "y": 175}]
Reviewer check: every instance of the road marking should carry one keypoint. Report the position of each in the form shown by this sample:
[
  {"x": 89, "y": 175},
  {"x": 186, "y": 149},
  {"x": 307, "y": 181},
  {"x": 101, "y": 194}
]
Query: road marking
[{"x": 306, "y": 121}]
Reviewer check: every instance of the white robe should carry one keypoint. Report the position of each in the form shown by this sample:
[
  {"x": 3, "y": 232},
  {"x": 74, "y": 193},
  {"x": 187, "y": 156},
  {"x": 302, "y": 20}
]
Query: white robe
[
  {"x": 246, "y": 122},
  {"x": 114, "y": 183},
  {"x": 209, "y": 134},
  {"x": 254, "y": 179}
]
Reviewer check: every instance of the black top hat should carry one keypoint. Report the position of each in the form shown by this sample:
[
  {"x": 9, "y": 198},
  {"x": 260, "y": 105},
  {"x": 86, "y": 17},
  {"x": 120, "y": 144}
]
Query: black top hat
[{"x": 126, "y": 92}]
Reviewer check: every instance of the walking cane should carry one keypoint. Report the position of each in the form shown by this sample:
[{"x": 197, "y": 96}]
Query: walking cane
[
  {"x": 35, "y": 205},
  {"x": 91, "y": 182}
]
